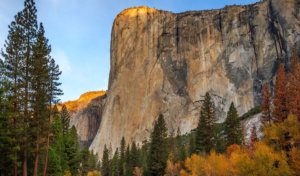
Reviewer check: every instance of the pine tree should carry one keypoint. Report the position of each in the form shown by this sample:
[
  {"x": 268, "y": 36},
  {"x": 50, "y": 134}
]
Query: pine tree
[
  {"x": 53, "y": 92},
  {"x": 84, "y": 157},
  {"x": 65, "y": 119},
  {"x": 115, "y": 164},
  {"x": 280, "y": 99},
  {"x": 28, "y": 22},
  {"x": 192, "y": 144},
  {"x": 6, "y": 137},
  {"x": 72, "y": 150},
  {"x": 158, "y": 148},
  {"x": 266, "y": 109},
  {"x": 128, "y": 166},
  {"x": 38, "y": 95},
  {"x": 122, "y": 156},
  {"x": 206, "y": 126},
  {"x": 134, "y": 156},
  {"x": 233, "y": 129},
  {"x": 13, "y": 55},
  {"x": 105, "y": 169},
  {"x": 57, "y": 157}
]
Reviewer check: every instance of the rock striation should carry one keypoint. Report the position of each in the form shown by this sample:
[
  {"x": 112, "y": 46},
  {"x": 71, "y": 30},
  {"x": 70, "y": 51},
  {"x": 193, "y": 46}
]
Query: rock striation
[{"x": 163, "y": 62}]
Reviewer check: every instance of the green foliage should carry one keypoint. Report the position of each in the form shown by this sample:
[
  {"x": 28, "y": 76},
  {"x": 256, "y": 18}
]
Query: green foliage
[
  {"x": 105, "y": 168},
  {"x": 71, "y": 149},
  {"x": 233, "y": 130},
  {"x": 158, "y": 154},
  {"x": 206, "y": 126},
  {"x": 115, "y": 164},
  {"x": 65, "y": 119}
]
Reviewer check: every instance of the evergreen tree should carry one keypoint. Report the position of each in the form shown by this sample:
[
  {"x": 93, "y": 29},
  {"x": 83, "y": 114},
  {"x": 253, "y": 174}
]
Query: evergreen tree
[
  {"x": 128, "y": 167},
  {"x": 13, "y": 60},
  {"x": 6, "y": 137},
  {"x": 53, "y": 92},
  {"x": 28, "y": 23},
  {"x": 38, "y": 95},
  {"x": 233, "y": 129},
  {"x": 266, "y": 109},
  {"x": 122, "y": 157},
  {"x": 84, "y": 155},
  {"x": 57, "y": 157},
  {"x": 115, "y": 164},
  {"x": 105, "y": 169},
  {"x": 181, "y": 152},
  {"x": 158, "y": 148},
  {"x": 280, "y": 100},
  {"x": 65, "y": 119},
  {"x": 72, "y": 150},
  {"x": 134, "y": 156},
  {"x": 206, "y": 126},
  {"x": 192, "y": 144}
]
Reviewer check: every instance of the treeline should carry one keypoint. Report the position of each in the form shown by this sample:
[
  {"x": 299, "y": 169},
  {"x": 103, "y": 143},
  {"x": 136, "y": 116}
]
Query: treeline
[
  {"x": 35, "y": 138},
  {"x": 221, "y": 149},
  {"x": 151, "y": 157}
]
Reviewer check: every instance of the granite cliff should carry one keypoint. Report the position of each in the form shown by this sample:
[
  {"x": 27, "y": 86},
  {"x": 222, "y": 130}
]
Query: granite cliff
[
  {"x": 163, "y": 62},
  {"x": 86, "y": 114}
]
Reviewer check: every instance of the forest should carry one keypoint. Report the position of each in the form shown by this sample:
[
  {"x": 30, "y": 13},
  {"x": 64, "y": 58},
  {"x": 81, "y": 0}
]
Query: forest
[{"x": 36, "y": 138}]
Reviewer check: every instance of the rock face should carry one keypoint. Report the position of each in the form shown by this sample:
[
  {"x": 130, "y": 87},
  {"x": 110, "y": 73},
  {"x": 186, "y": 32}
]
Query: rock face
[
  {"x": 162, "y": 62},
  {"x": 87, "y": 120},
  {"x": 86, "y": 115}
]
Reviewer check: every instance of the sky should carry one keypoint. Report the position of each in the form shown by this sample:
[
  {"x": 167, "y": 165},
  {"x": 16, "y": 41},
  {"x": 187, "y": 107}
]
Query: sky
[{"x": 79, "y": 34}]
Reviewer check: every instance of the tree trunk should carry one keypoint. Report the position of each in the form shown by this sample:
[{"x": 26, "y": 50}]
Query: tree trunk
[
  {"x": 36, "y": 160},
  {"x": 46, "y": 158},
  {"x": 25, "y": 162},
  {"x": 16, "y": 163}
]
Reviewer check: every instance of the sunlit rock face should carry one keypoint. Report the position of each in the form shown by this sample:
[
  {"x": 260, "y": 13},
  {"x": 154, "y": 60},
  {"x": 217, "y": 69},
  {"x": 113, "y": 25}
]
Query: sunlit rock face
[
  {"x": 162, "y": 62},
  {"x": 86, "y": 115}
]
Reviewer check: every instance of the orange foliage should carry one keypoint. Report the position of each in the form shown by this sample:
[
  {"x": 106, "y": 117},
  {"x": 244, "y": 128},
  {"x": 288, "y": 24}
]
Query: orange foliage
[
  {"x": 280, "y": 99},
  {"x": 232, "y": 148},
  {"x": 266, "y": 111}
]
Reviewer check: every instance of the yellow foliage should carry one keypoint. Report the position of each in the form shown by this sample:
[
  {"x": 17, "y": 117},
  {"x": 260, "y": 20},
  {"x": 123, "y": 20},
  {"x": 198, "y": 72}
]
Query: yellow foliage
[
  {"x": 94, "y": 173},
  {"x": 173, "y": 169},
  {"x": 67, "y": 173},
  {"x": 193, "y": 166},
  {"x": 263, "y": 160},
  {"x": 282, "y": 135},
  {"x": 295, "y": 160},
  {"x": 268, "y": 162}
]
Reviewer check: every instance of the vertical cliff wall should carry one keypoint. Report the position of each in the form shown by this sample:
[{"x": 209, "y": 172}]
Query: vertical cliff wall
[{"x": 162, "y": 62}]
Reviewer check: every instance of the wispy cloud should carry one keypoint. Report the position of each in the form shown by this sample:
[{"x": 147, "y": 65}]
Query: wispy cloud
[{"x": 63, "y": 61}]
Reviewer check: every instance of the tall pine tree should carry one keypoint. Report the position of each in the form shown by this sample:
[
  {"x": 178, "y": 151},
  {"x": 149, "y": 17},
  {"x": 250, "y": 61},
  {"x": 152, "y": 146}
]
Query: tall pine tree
[
  {"x": 233, "y": 129},
  {"x": 105, "y": 162},
  {"x": 158, "y": 148},
  {"x": 38, "y": 95},
  {"x": 65, "y": 119},
  {"x": 206, "y": 126}
]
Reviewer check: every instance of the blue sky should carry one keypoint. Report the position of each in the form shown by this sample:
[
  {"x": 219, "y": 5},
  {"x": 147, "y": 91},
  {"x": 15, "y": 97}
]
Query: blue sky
[{"x": 79, "y": 33}]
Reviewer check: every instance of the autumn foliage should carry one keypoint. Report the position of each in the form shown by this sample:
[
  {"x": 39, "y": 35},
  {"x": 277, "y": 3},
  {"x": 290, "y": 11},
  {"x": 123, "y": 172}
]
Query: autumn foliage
[{"x": 280, "y": 95}]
